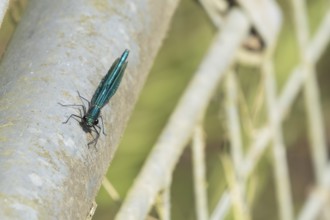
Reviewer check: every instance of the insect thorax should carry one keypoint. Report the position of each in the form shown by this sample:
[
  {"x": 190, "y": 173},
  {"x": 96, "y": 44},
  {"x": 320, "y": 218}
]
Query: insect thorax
[{"x": 91, "y": 118}]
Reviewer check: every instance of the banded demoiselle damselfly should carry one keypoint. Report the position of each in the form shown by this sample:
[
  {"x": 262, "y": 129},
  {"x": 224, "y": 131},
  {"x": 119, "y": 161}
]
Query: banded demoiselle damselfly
[{"x": 106, "y": 89}]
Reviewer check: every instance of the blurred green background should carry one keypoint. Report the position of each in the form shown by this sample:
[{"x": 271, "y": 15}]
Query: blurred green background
[{"x": 189, "y": 38}]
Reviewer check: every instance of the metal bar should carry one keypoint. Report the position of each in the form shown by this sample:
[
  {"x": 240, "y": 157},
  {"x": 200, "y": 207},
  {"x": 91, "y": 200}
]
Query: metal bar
[
  {"x": 312, "y": 97},
  {"x": 266, "y": 18},
  {"x": 110, "y": 189},
  {"x": 281, "y": 170},
  {"x": 233, "y": 121},
  {"x": 163, "y": 203},
  {"x": 59, "y": 47},
  {"x": 316, "y": 126},
  {"x": 234, "y": 177},
  {"x": 240, "y": 208},
  {"x": 177, "y": 132},
  {"x": 222, "y": 207},
  {"x": 199, "y": 170},
  {"x": 317, "y": 199}
]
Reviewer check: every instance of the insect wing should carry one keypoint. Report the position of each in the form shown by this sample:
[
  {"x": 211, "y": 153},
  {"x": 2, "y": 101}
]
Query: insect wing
[
  {"x": 115, "y": 85},
  {"x": 110, "y": 84},
  {"x": 101, "y": 86},
  {"x": 111, "y": 87}
]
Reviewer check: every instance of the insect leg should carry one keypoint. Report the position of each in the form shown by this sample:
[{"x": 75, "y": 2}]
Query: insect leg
[
  {"x": 74, "y": 105},
  {"x": 96, "y": 138},
  {"x": 101, "y": 129},
  {"x": 102, "y": 125},
  {"x": 83, "y": 98},
  {"x": 72, "y": 116}
]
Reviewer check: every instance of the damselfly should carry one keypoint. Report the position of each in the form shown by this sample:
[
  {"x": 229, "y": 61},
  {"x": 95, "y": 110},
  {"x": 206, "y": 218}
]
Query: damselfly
[{"x": 106, "y": 89}]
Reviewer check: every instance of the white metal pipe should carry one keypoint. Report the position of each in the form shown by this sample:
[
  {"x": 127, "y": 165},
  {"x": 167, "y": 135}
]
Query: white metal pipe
[{"x": 46, "y": 169}]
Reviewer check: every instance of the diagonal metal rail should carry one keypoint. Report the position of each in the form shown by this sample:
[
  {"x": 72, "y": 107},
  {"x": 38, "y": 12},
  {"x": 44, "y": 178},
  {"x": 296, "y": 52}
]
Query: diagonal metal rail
[{"x": 59, "y": 47}]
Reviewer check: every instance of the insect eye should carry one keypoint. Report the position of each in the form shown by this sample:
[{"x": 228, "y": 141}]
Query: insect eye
[{"x": 96, "y": 122}]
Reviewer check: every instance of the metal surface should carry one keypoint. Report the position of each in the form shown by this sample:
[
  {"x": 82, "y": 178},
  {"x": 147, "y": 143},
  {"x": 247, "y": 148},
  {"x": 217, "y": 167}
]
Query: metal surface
[{"x": 47, "y": 171}]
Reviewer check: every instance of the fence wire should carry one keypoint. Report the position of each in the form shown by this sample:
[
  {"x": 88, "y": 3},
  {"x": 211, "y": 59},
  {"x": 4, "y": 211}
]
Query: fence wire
[{"x": 186, "y": 121}]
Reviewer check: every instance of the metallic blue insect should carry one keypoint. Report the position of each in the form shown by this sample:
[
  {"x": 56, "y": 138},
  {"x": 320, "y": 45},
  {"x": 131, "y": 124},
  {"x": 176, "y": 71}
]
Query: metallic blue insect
[{"x": 106, "y": 89}]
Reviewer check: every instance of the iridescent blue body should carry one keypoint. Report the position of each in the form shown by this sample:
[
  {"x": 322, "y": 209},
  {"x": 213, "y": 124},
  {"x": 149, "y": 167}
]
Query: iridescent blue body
[{"x": 106, "y": 89}]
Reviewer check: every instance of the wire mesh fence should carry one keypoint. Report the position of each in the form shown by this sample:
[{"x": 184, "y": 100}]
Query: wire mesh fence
[{"x": 186, "y": 122}]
